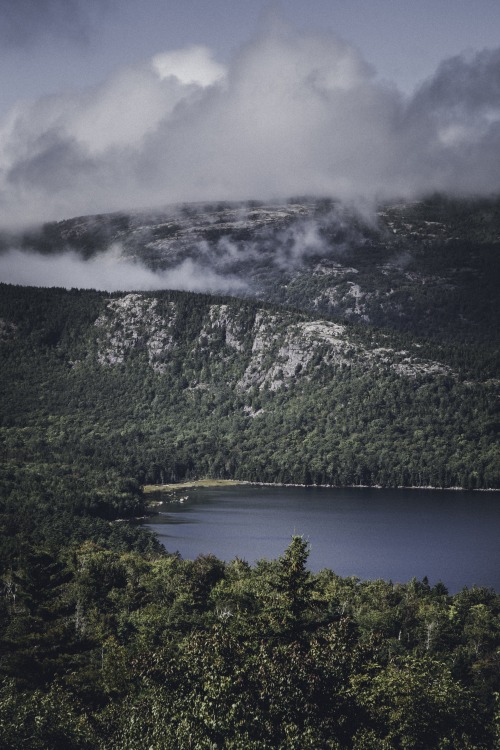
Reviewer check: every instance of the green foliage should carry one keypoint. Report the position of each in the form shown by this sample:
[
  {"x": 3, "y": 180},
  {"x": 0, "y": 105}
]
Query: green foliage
[
  {"x": 50, "y": 719},
  {"x": 103, "y": 427},
  {"x": 164, "y": 653}
]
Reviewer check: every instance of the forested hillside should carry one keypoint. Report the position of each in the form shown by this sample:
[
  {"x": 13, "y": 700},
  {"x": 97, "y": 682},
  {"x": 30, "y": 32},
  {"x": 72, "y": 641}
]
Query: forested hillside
[
  {"x": 164, "y": 386},
  {"x": 109, "y": 642},
  {"x": 105, "y": 647}
]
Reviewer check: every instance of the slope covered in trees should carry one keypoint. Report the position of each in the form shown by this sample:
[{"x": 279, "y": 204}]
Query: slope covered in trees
[
  {"x": 165, "y": 386},
  {"x": 109, "y": 642}
]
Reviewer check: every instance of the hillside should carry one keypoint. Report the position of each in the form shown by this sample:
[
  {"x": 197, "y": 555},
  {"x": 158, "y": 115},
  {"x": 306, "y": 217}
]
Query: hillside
[
  {"x": 430, "y": 267},
  {"x": 107, "y": 641},
  {"x": 168, "y": 385}
]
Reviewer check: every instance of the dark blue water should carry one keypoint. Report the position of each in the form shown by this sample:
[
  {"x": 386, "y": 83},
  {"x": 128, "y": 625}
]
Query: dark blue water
[{"x": 448, "y": 536}]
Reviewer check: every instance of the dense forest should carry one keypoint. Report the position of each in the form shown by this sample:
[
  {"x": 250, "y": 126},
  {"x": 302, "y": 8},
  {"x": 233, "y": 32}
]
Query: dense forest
[
  {"x": 131, "y": 389},
  {"x": 107, "y": 640}
]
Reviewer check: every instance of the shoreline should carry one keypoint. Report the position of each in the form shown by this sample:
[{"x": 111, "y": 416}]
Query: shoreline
[{"x": 195, "y": 483}]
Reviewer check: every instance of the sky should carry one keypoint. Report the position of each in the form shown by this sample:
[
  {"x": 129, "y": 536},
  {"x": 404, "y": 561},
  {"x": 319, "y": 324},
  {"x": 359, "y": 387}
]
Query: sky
[{"x": 119, "y": 104}]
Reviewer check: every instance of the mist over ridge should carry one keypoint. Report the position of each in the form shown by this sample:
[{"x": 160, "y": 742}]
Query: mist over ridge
[
  {"x": 430, "y": 266},
  {"x": 289, "y": 113},
  {"x": 249, "y": 269}
]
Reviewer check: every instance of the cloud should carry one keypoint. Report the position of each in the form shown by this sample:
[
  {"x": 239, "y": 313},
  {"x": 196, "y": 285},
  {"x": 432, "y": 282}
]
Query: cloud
[
  {"x": 454, "y": 122},
  {"x": 109, "y": 271},
  {"x": 24, "y": 22},
  {"x": 282, "y": 239},
  {"x": 191, "y": 65},
  {"x": 288, "y": 246},
  {"x": 292, "y": 114}
]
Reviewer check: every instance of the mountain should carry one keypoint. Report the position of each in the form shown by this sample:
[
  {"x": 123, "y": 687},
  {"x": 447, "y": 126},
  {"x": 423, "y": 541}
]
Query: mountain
[
  {"x": 431, "y": 268},
  {"x": 161, "y": 386},
  {"x": 358, "y": 352}
]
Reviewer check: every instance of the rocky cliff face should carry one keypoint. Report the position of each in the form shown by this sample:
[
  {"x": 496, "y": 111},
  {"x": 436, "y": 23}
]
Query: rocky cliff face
[
  {"x": 133, "y": 322},
  {"x": 278, "y": 348}
]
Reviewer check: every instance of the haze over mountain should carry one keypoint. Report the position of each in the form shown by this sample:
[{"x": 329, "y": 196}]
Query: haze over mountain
[{"x": 431, "y": 267}]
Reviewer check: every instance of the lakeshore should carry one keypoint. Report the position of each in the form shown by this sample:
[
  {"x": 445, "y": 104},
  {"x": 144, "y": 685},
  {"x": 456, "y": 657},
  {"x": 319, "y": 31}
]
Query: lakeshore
[{"x": 150, "y": 489}]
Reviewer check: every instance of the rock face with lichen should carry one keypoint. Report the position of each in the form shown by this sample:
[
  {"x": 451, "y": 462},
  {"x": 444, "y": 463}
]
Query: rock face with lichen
[
  {"x": 132, "y": 323},
  {"x": 275, "y": 350}
]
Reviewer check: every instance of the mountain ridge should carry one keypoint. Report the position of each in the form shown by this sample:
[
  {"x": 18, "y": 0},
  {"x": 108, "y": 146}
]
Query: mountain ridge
[{"x": 429, "y": 267}]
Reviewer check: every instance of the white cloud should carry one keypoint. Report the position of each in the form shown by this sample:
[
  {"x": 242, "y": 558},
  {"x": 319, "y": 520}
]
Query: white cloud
[
  {"x": 292, "y": 114},
  {"x": 109, "y": 271},
  {"x": 194, "y": 64}
]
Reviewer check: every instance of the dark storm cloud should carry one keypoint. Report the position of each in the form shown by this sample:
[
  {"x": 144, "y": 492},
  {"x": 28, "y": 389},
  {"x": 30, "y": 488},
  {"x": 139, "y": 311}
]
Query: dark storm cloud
[
  {"x": 53, "y": 166},
  {"x": 462, "y": 85},
  {"x": 23, "y": 22},
  {"x": 453, "y": 122}
]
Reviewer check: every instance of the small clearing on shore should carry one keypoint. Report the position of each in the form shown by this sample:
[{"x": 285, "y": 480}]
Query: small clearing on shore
[{"x": 148, "y": 488}]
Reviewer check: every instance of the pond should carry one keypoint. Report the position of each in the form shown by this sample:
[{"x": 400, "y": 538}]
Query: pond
[{"x": 394, "y": 534}]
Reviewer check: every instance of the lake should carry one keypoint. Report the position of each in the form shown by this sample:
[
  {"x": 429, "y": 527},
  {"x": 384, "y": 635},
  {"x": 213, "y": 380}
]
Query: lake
[{"x": 449, "y": 536}]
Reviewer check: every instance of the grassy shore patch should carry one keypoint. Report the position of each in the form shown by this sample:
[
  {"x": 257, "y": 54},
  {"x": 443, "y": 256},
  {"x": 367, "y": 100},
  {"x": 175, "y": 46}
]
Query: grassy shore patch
[{"x": 150, "y": 488}]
